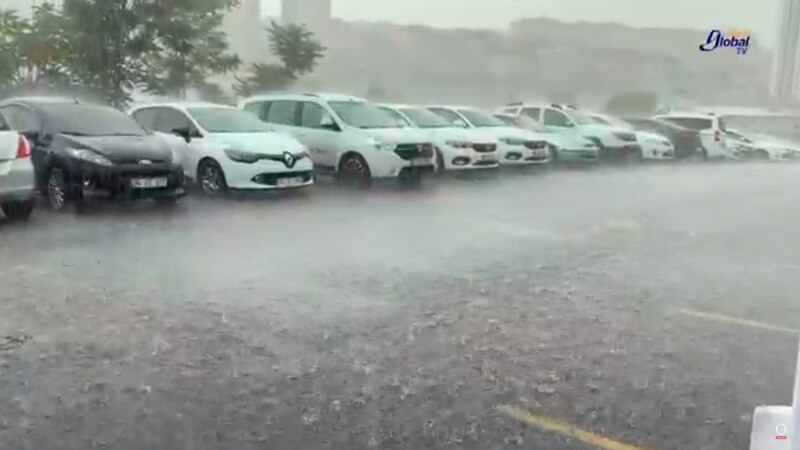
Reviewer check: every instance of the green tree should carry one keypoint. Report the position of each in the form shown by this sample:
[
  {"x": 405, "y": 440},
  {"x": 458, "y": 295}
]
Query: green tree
[
  {"x": 633, "y": 102},
  {"x": 188, "y": 45},
  {"x": 298, "y": 50}
]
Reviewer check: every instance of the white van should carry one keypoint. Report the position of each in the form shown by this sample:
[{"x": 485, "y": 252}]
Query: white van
[{"x": 348, "y": 136}]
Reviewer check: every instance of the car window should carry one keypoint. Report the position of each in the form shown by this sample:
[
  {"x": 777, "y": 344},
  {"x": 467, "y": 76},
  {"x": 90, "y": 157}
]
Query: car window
[
  {"x": 511, "y": 110},
  {"x": 555, "y": 118},
  {"x": 397, "y": 116},
  {"x": 282, "y": 112},
  {"x": 313, "y": 115},
  {"x": 170, "y": 119},
  {"x": 533, "y": 113},
  {"x": 223, "y": 119},
  {"x": 256, "y": 108},
  {"x": 693, "y": 123},
  {"x": 21, "y": 119},
  {"x": 3, "y": 124},
  {"x": 146, "y": 117},
  {"x": 481, "y": 119},
  {"x": 424, "y": 118},
  {"x": 81, "y": 119},
  {"x": 450, "y": 116},
  {"x": 508, "y": 120}
]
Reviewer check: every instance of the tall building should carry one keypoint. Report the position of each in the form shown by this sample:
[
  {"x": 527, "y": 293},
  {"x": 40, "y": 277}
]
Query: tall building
[
  {"x": 245, "y": 32},
  {"x": 315, "y": 14},
  {"x": 786, "y": 71}
]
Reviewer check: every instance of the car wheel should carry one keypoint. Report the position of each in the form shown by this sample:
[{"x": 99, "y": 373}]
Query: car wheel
[
  {"x": 57, "y": 189},
  {"x": 20, "y": 210},
  {"x": 440, "y": 168},
  {"x": 762, "y": 155},
  {"x": 354, "y": 172},
  {"x": 211, "y": 178}
]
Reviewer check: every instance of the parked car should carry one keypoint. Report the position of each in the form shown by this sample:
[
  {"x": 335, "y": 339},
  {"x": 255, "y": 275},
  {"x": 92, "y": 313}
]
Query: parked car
[
  {"x": 711, "y": 129},
  {"x": 226, "y": 148},
  {"x": 82, "y": 150},
  {"x": 653, "y": 145},
  {"x": 565, "y": 120},
  {"x": 456, "y": 148},
  {"x": 564, "y": 147},
  {"x": 759, "y": 146},
  {"x": 348, "y": 136},
  {"x": 517, "y": 146},
  {"x": 17, "y": 181},
  {"x": 686, "y": 141}
]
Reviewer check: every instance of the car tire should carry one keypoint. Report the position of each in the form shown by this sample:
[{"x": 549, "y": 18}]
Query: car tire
[
  {"x": 19, "y": 210},
  {"x": 211, "y": 178},
  {"x": 440, "y": 168},
  {"x": 57, "y": 190},
  {"x": 354, "y": 172}
]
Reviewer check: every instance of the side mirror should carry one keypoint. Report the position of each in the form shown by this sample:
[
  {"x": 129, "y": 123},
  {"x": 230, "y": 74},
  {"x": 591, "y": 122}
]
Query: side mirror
[{"x": 186, "y": 133}]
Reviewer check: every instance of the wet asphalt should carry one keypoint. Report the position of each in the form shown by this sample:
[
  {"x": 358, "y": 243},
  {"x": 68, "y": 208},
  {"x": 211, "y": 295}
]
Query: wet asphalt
[{"x": 406, "y": 319}]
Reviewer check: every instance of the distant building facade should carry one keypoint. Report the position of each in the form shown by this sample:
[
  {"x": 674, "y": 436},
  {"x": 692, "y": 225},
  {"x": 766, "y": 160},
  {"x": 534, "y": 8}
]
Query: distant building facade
[
  {"x": 315, "y": 14},
  {"x": 786, "y": 70}
]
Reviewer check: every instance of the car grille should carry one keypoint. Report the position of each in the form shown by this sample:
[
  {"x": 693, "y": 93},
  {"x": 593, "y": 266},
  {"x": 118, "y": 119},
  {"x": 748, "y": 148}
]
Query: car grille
[
  {"x": 271, "y": 179},
  {"x": 411, "y": 151},
  {"x": 484, "y": 148},
  {"x": 138, "y": 162},
  {"x": 535, "y": 144}
]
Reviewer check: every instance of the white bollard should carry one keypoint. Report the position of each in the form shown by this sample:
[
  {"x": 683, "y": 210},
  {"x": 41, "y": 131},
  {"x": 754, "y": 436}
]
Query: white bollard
[{"x": 774, "y": 426}]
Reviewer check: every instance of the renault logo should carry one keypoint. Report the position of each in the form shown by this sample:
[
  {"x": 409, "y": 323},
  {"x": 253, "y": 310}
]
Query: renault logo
[
  {"x": 145, "y": 162},
  {"x": 288, "y": 159}
]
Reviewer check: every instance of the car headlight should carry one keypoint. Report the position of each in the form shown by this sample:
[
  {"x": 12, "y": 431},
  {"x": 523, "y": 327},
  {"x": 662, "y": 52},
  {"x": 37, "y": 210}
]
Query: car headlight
[
  {"x": 302, "y": 154},
  {"x": 459, "y": 144},
  {"x": 241, "y": 156},
  {"x": 88, "y": 156},
  {"x": 512, "y": 141},
  {"x": 382, "y": 145}
]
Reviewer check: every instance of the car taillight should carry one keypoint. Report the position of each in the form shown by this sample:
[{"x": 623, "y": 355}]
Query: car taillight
[{"x": 23, "y": 148}]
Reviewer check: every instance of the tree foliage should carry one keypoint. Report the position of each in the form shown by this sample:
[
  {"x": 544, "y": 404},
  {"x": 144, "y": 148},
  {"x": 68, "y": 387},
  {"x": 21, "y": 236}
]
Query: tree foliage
[
  {"x": 298, "y": 51},
  {"x": 633, "y": 102}
]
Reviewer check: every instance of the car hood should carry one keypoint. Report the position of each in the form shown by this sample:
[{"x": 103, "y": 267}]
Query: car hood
[
  {"x": 604, "y": 129},
  {"x": 123, "y": 149},
  {"x": 266, "y": 143},
  {"x": 398, "y": 135},
  {"x": 643, "y": 135},
  {"x": 569, "y": 140},
  {"x": 461, "y": 134},
  {"x": 515, "y": 133}
]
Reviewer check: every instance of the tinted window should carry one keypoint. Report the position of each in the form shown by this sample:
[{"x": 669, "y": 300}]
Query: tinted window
[
  {"x": 282, "y": 112},
  {"x": 170, "y": 119},
  {"x": 21, "y": 119},
  {"x": 692, "y": 123},
  {"x": 533, "y": 113},
  {"x": 90, "y": 120},
  {"x": 146, "y": 117},
  {"x": 220, "y": 119},
  {"x": 258, "y": 109},
  {"x": 555, "y": 118},
  {"x": 313, "y": 115}
]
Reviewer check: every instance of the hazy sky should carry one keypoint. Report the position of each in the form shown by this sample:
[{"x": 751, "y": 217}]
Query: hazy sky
[{"x": 759, "y": 16}]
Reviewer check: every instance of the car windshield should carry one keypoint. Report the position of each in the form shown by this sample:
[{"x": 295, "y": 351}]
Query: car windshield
[
  {"x": 227, "y": 120},
  {"x": 582, "y": 118},
  {"x": 424, "y": 118},
  {"x": 364, "y": 115},
  {"x": 90, "y": 120},
  {"x": 481, "y": 119}
]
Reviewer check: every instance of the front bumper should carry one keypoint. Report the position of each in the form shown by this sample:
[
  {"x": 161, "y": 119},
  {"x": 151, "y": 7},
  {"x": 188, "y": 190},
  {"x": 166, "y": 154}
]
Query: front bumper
[
  {"x": 268, "y": 174},
  {"x": 468, "y": 159},
  {"x": 578, "y": 155},
  {"x": 621, "y": 152},
  {"x": 658, "y": 152},
  {"x": 17, "y": 180},
  {"x": 517, "y": 155},
  {"x": 116, "y": 181}
]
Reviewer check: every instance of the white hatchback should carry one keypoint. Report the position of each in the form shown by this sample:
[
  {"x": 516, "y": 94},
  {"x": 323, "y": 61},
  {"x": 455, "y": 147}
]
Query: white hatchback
[
  {"x": 517, "y": 146},
  {"x": 348, "y": 136},
  {"x": 227, "y": 148},
  {"x": 456, "y": 148}
]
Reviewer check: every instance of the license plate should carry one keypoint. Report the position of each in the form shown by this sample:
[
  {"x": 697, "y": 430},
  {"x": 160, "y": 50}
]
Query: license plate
[
  {"x": 420, "y": 162},
  {"x": 149, "y": 183},
  {"x": 488, "y": 157},
  {"x": 540, "y": 153},
  {"x": 286, "y": 182}
]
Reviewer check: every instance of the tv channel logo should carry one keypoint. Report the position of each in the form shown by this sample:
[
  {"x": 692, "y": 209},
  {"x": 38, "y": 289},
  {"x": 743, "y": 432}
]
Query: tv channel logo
[{"x": 736, "y": 38}]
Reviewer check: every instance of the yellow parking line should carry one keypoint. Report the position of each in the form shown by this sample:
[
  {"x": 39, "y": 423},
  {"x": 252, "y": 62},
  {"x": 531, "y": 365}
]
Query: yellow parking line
[
  {"x": 737, "y": 321},
  {"x": 565, "y": 429}
]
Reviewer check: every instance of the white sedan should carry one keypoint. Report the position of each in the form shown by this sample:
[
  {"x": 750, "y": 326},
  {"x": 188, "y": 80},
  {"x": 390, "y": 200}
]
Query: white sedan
[
  {"x": 761, "y": 146},
  {"x": 227, "y": 148}
]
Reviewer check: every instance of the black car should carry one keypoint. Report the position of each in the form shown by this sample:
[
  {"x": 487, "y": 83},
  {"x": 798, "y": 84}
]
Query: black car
[
  {"x": 686, "y": 141},
  {"x": 81, "y": 150}
]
